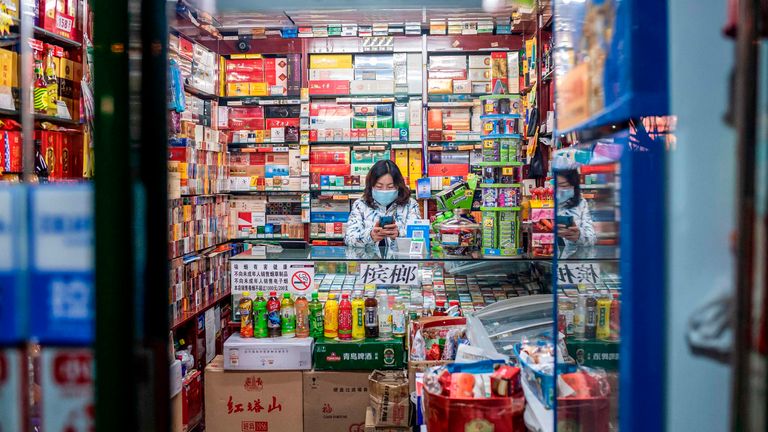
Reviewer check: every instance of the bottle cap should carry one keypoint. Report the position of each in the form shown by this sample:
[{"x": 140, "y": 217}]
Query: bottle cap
[
  {"x": 454, "y": 303},
  {"x": 273, "y": 293},
  {"x": 345, "y": 296},
  {"x": 246, "y": 294},
  {"x": 287, "y": 295},
  {"x": 332, "y": 296},
  {"x": 314, "y": 296},
  {"x": 259, "y": 293},
  {"x": 440, "y": 302}
]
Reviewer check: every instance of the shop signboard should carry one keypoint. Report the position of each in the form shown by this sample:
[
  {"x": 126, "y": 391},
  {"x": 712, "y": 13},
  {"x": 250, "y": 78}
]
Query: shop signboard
[
  {"x": 611, "y": 60},
  {"x": 61, "y": 264},
  {"x": 12, "y": 292},
  {"x": 381, "y": 273},
  {"x": 67, "y": 390}
]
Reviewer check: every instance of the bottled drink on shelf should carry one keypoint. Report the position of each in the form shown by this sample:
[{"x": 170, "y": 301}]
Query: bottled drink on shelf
[
  {"x": 385, "y": 318},
  {"x": 52, "y": 83},
  {"x": 358, "y": 317},
  {"x": 580, "y": 317},
  {"x": 603, "y": 330},
  {"x": 331, "y": 319},
  {"x": 371, "y": 316},
  {"x": 260, "y": 316},
  {"x": 273, "y": 315},
  {"x": 398, "y": 317},
  {"x": 315, "y": 317},
  {"x": 246, "y": 315},
  {"x": 614, "y": 320},
  {"x": 345, "y": 318},
  {"x": 287, "y": 316},
  {"x": 590, "y": 324},
  {"x": 40, "y": 89},
  {"x": 454, "y": 309},
  {"x": 302, "y": 317},
  {"x": 439, "y": 308}
]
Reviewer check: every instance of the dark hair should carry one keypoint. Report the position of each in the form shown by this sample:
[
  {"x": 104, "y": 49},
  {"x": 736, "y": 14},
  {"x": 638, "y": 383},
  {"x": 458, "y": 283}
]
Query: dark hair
[
  {"x": 573, "y": 179},
  {"x": 379, "y": 170}
]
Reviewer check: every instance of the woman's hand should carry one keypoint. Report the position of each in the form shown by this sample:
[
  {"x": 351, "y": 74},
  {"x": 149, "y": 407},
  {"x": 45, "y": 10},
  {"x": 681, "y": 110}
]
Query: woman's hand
[
  {"x": 571, "y": 233},
  {"x": 391, "y": 231},
  {"x": 378, "y": 234}
]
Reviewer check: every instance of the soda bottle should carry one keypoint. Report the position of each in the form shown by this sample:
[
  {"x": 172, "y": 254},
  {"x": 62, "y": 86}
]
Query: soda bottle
[
  {"x": 615, "y": 322},
  {"x": 398, "y": 317},
  {"x": 580, "y": 318},
  {"x": 603, "y": 330},
  {"x": 331, "y": 319},
  {"x": 302, "y": 317},
  {"x": 385, "y": 318},
  {"x": 260, "y": 316},
  {"x": 358, "y": 317},
  {"x": 454, "y": 309},
  {"x": 590, "y": 324},
  {"x": 315, "y": 317},
  {"x": 288, "y": 316},
  {"x": 345, "y": 318},
  {"x": 439, "y": 308},
  {"x": 246, "y": 315},
  {"x": 371, "y": 316},
  {"x": 273, "y": 315}
]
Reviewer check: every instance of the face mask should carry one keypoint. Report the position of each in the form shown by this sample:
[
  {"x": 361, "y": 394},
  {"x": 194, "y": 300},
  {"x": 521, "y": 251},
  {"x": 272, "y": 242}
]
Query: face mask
[
  {"x": 385, "y": 197},
  {"x": 564, "y": 194}
]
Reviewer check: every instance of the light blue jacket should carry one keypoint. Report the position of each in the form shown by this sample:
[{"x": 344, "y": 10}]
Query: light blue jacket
[{"x": 362, "y": 219}]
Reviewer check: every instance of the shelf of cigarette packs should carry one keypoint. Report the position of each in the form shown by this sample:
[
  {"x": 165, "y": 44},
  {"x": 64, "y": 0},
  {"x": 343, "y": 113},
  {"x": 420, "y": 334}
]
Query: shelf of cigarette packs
[
  {"x": 268, "y": 216},
  {"x": 197, "y": 223},
  {"x": 600, "y": 187}
]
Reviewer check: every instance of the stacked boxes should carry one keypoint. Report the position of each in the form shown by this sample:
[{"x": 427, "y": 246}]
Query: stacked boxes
[
  {"x": 480, "y": 73},
  {"x": 254, "y": 75},
  {"x": 272, "y": 217},
  {"x": 196, "y": 223},
  {"x": 363, "y": 122},
  {"x": 196, "y": 283},
  {"x": 62, "y": 152}
]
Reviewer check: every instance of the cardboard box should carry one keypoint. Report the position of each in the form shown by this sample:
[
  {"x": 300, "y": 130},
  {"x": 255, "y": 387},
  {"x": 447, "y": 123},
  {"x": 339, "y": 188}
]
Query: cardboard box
[
  {"x": 176, "y": 424},
  {"x": 367, "y": 355},
  {"x": 370, "y": 424},
  {"x": 480, "y": 61},
  {"x": 267, "y": 353},
  {"x": 258, "y": 89},
  {"x": 248, "y": 401},
  {"x": 331, "y": 74},
  {"x": 389, "y": 398},
  {"x": 329, "y": 87},
  {"x": 439, "y": 86},
  {"x": 367, "y": 87},
  {"x": 335, "y": 401}
]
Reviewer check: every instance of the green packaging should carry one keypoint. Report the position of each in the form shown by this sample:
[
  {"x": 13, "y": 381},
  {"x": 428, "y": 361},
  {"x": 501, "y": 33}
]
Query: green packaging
[
  {"x": 330, "y": 354},
  {"x": 594, "y": 353},
  {"x": 490, "y": 229}
]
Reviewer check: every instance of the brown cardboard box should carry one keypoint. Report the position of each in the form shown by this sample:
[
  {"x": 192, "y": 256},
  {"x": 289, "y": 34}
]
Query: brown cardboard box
[
  {"x": 370, "y": 424},
  {"x": 176, "y": 424},
  {"x": 389, "y": 398},
  {"x": 252, "y": 401},
  {"x": 335, "y": 401}
]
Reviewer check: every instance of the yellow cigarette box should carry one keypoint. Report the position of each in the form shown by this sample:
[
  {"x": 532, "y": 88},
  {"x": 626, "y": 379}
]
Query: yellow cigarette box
[
  {"x": 258, "y": 89},
  {"x": 330, "y": 61},
  {"x": 414, "y": 166},
  {"x": 237, "y": 89}
]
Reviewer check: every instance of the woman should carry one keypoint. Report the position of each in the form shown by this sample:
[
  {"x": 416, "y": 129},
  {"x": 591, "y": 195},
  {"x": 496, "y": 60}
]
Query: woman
[
  {"x": 579, "y": 233},
  {"x": 386, "y": 194}
]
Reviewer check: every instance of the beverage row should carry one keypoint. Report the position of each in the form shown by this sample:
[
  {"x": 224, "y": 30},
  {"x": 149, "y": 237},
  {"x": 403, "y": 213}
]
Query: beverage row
[
  {"x": 359, "y": 318},
  {"x": 590, "y": 316}
]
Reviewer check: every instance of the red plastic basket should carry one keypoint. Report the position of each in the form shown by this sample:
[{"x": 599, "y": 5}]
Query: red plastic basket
[
  {"x": 590, "y": 414},
  {"x": 468, "y": 415}
]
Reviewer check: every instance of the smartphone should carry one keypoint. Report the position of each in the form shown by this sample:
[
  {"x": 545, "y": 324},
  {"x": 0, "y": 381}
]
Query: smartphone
[
  {"x": 386, "y": 220},
  {"x": 565, "y": 220}
]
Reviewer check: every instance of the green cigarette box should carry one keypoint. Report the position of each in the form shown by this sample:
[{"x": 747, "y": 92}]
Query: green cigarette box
[
  {"x": 594, "y": 353},
  {"x": 330, "y": 354}
]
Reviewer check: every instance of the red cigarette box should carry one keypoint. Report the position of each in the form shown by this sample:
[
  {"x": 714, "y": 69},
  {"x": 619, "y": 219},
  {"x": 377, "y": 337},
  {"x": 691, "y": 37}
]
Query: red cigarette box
[
  {"x": 448, "y": 170},
  {"x": 329, "y": 87}
]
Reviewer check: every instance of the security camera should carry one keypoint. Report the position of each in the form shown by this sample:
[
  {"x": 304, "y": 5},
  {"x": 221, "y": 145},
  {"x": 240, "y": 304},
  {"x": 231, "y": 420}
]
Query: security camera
[{"x": 243, "y": 45}]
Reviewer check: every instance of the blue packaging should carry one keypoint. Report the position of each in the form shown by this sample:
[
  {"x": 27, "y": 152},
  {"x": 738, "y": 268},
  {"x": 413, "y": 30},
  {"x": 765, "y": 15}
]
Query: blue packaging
[
  {"x": 13, "y": 298},
  {"x": 419, "y": 229},
  {"x": 61, "y": 264}
]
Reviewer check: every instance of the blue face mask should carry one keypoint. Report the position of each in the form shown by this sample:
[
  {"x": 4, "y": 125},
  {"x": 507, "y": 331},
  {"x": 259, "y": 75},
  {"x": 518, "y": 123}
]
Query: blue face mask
[
  {"x": 563, "y": 195},
  {"x": 385, "y": 197}
]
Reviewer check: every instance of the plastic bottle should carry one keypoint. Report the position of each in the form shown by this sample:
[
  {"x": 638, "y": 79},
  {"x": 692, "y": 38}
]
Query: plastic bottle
[
  {"x": 358, "y": 317},
  {"x": 615, "y": 320},
  {"x": 260, "y": 316},
  {"x": 315, "y": 317},
  {"x": 590, "y": 326},
  {"x": 439, "y": 308},
  {"x": 371, "y": 316},
  {"x": 246, "y": 315},
  {"x": 331, "y": 318},
  {"x": 398, "y": 317},
  {"x": 273, "y": 315},
  {"x": 385, "y": 318},
  {"x": 302, "y": 317},
  {"x": 580, "y": 318},
  {"x": 345, "y": 318},
  {"x": 454, "y": 309},
  {"x": 288, "y": 316}
]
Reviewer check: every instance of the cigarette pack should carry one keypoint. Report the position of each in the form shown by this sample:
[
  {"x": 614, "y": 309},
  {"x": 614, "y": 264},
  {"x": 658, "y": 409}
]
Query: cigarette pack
[{"x": 330, "y": 61}]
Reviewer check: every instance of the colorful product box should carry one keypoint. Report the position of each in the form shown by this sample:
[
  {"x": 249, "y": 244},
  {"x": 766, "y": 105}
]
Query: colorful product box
[
  {"x": 499, "y": 74},
  {"x": 330, "y": 61},
  {"x": 329, "y": 87},
  {"x": 368, "y": 355}
]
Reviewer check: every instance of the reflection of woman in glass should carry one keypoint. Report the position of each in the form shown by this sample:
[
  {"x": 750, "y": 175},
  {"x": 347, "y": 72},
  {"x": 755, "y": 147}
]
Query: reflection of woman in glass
[{"x": 574, "y": 224}]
